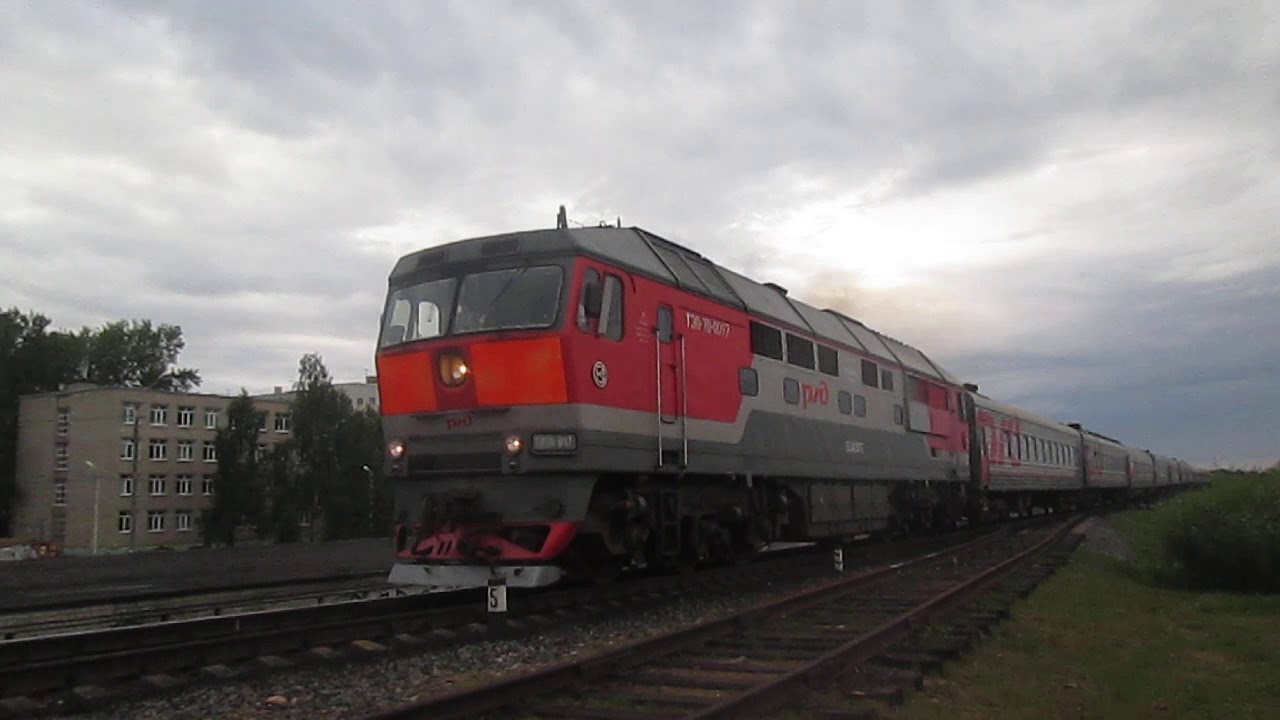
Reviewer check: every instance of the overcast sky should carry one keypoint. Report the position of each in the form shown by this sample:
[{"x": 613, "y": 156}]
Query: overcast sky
[{"x": 1072, "y": 204}]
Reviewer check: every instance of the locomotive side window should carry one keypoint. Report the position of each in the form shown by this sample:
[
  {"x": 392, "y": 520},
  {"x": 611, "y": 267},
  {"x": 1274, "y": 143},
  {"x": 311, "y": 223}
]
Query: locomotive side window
[
  {"x": 666, "y": 327},
  {"x": 791, "y": 391},
  {"x": 799, "y": 351},
  {"x": 844, "y": 401},
  {"x": 611, "y": 308},
  {"x": 886, "y": 379},
  {"x": 859, "y": 406},
  {"x": 766, "y": 341},
  {"x": 749, "y": 381},
  {"x": 828, "y": 362},
  {"x": 870, "y": 374},
  {"x": 586, "y": 313}
]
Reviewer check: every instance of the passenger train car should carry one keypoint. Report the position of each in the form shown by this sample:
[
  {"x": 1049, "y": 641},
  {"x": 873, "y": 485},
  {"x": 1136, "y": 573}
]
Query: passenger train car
[{"x": 574, "y": 402}]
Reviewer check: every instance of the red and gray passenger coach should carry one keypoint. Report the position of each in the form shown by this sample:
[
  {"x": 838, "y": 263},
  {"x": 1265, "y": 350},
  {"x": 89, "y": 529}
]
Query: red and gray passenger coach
[{"x": 578, "y": 401}]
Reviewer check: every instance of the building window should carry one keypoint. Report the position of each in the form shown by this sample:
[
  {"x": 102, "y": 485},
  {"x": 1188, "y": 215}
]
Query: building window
[
  {"x": 155, "y": 521},
  {"x": 124, "y": 522},
  {"x": 859, "y": 405},
  {"x": 210, "y": 419},
  {"x": 282, "y": 421},
  {"x": 210, "y": 452},
  {"x": 60, "y": 456},
  {"x": 186, "y": 450},
  {"x": 64, "y": 422},
  {"x": 128, "y": 449},
  {"x": 261, "y": 451},
  {"x": 183, "y": 520},
  {"x": 766, "y": 341},
  {"x": 159, "y": 414},
  {"x": 304, "y": 518},
  {"x": 791, "y": 391},
  {"x": 748, "y": 381},
  {"x": 886, "y": 379},
  {"x": 359, "y": 403},
  {"x": 126, "y": 485},
  {"x": 60, "y": 491},
  {"x": 206, "y": 485},
  {"x": 799, "y": 351},
  {"x": 155, "y": 485},
  {"x": 130, "y": 413},
  {"x": 158, "y": 449},
  {"x": 897, "y": 414},
  {"x": 870, "y": 374},
  {"x": 186, "y": 416},
  {"x": 184, "y": 484},
  {"x": 262, "y": 424}
]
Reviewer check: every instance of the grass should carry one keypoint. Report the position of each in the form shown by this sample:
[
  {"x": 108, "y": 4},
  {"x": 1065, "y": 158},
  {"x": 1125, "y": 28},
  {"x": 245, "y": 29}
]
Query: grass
[{"x": 1101, "y": 640}]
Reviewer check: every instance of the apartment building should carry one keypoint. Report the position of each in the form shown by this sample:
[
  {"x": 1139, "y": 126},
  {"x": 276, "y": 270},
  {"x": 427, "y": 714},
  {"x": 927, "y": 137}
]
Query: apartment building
[
  {"x": 363, "y": 394},
  {"x": 113, "y": 469}
]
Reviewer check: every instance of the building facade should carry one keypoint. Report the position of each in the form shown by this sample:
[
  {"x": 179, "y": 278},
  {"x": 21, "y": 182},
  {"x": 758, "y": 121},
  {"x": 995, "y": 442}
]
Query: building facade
[
  {"x": 112, "y": 469},
  {"x": 364, "y": 395}
]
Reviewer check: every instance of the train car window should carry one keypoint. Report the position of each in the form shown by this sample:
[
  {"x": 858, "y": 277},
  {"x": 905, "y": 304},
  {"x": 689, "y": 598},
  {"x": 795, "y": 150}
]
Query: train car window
[
  {"x": 1008, "y": 444},
  {"x": 828, "y": 361},
  {"x": 748, "y": 381},
  {"x": 844, "y": 401},
  {"x": 666, "y": 328},
  {"x": 886, "y": 379},
  {"x": 590, "y": 286},
  {"x": 870, "y": 374},
  {"x": 897, "y": 414},
  {"x": 611, "y": 308},
  {"x": 799, "y": 351},
  {"x": 791, "y": 391},
  {"x": 766, "y": 341}
]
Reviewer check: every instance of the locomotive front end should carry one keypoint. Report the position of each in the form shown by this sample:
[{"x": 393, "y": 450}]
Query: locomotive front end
[{"x": 480, "y": 432}]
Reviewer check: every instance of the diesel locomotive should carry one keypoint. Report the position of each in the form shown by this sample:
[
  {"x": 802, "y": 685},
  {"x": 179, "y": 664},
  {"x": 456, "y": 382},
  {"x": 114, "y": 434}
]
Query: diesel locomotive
[{"x": 575, "y": 402}]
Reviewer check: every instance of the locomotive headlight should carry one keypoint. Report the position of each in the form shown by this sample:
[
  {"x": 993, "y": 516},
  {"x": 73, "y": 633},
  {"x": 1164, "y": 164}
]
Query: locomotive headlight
[
  {"x": 395, "y": 449},
  {"x": 453, "y": 369},
  {"x": 513, "y": 444}
]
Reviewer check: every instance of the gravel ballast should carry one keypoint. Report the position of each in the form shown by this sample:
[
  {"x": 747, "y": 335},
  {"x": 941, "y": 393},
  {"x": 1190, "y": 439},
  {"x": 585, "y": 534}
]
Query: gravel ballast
[{"x": 347, "y": 689}]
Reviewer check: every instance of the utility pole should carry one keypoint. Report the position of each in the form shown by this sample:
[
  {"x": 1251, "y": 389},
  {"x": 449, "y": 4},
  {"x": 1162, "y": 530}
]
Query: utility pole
[
  {"x": 369, "y": 471},
  {"x": 97, "y": 487}
]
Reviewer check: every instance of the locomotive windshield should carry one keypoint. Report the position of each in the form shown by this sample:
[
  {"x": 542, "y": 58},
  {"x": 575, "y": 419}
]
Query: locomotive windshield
[{"x": 512, "y": 299}]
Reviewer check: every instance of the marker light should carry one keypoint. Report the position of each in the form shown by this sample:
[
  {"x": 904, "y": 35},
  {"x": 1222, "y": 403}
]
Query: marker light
[
  {"x": 395, "y": 449},
  {"x": 514, "y": 443},
  {"x": 453, "y": 369}
]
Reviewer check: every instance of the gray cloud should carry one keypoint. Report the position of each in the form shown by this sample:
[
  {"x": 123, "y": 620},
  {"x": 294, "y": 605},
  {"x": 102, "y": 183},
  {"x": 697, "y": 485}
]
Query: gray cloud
[{"x": 1097, "y": 180}]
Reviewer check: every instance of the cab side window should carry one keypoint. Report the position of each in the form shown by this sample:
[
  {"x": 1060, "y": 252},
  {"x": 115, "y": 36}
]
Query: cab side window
[
  {"x": 611, "y": 308},
  {"x": 590, "y": 288}
]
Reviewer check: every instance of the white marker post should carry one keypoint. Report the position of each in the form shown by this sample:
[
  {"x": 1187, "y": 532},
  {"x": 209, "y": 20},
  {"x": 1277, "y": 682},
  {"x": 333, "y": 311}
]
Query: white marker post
[
  {"x": 497, "y": 603},
  {"x": 839, "y": 559}
]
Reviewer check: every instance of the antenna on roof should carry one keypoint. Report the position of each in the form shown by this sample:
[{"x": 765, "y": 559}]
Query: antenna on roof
[{"x": 562, "y": 219}]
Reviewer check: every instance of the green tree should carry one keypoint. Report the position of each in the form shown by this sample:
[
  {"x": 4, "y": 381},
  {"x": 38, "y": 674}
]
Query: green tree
[
  {"x": 32, "y": 359},
  {"x": 237, "y": 497},
  {"x": 136, "y": 354},
  {"x": 318, "y": 412}
]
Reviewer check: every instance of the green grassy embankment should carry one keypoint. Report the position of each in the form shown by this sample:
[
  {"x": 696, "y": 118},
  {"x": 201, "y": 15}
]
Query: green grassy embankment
[{"x": 1140, "y": 637}]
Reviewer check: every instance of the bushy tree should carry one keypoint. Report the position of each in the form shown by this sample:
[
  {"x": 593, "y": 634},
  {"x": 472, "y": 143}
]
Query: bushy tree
[
  {"x": 136, "y": 354},
  {"x": 237, "y": 499}
]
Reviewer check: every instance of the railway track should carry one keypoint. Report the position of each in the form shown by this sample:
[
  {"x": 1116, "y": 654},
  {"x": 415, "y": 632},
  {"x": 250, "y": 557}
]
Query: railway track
[
  {"x": 90, "y": 669},
  {"x": 123, "y": 612},
  {"x": 863, "y": 637}
]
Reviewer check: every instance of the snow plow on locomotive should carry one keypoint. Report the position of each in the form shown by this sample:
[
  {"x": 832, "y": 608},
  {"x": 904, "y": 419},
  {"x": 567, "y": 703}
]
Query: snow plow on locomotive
[{"x": 573, "y": 402}]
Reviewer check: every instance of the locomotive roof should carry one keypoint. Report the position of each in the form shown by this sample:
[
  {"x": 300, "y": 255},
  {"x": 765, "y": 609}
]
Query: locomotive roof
[{"x": 647, "y": 253}]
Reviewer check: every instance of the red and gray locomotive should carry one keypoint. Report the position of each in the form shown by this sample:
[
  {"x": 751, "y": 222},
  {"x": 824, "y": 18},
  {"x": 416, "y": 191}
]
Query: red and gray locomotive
[{"x": 575, "y": 402}]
